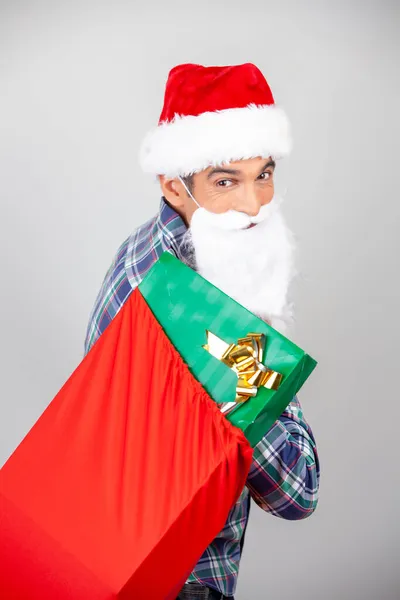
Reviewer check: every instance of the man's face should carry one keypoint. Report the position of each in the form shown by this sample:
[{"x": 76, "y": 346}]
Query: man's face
[
  {"x": 243, "y": 186},
  {"x": 252, "y": 264}
]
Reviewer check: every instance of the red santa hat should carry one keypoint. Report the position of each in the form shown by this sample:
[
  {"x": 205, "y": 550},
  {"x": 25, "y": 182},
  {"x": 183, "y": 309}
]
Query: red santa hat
[{"x": 214, "y": 115}]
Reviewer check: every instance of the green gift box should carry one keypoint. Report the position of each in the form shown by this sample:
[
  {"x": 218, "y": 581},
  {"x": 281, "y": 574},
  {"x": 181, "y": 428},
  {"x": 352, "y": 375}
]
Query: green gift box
[{"x": 187, "y": 307}]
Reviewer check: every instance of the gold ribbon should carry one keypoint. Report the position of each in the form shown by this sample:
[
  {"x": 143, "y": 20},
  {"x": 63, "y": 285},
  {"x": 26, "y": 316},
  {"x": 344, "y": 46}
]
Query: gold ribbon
[{"x": 245, "y": 359}]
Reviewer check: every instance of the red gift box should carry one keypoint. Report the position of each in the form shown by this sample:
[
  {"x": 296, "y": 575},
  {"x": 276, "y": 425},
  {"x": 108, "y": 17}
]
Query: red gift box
[{"x": 124, "y": 480}]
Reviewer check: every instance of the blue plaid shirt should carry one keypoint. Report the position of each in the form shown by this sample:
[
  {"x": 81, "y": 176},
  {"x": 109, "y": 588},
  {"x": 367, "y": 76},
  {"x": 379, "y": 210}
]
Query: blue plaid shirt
[{"x": 284, "y": 477}]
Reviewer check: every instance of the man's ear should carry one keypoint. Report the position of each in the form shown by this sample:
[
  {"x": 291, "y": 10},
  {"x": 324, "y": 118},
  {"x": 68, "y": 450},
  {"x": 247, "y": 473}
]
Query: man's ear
[{"x": 173, "y": 191}]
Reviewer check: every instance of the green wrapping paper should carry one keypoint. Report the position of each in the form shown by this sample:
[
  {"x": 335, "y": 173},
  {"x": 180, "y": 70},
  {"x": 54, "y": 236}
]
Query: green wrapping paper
[{"x": 187, "y": 306}]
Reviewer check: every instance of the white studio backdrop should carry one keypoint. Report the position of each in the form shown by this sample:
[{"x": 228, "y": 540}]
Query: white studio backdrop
[{"x": 80, "y": 84}]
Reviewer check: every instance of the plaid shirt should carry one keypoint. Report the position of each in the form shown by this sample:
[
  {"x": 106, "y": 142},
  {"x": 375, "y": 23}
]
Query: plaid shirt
[{"x": 284, "y": 476}]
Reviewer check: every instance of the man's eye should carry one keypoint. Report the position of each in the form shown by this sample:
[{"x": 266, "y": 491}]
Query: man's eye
[
  {"x": 221, "y": 182},
  {"x": 268, "y": 175}
]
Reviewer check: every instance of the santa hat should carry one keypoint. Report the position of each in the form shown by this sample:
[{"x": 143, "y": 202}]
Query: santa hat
[{"x": 214, "y": 115}]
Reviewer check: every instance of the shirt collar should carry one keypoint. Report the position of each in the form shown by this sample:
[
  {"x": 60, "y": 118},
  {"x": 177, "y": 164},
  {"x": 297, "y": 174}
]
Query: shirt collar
[{"x": 171, "y": 225}]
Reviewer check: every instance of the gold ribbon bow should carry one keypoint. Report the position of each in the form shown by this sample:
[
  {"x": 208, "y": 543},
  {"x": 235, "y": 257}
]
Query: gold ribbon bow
[{"x": 245, "y": 359}]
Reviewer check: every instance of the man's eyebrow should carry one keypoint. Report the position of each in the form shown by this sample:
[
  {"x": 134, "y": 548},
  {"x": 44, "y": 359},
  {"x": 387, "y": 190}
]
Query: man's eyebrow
[
  {"x": 269, "y": 163},
  {"x": 221, "y": 170}
]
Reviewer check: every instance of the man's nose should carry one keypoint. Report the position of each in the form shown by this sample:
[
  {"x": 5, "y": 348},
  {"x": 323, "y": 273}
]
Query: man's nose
[{"x": 249, "y": 204}]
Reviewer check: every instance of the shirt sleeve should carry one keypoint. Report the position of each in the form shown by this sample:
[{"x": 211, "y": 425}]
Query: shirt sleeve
[
  {"x": 113, "y": 293},
  {"x": 284, "y": 476}
]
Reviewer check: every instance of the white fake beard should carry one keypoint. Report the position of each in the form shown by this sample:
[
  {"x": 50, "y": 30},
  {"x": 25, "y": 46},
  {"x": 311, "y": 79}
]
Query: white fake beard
[{"x": 253, "y": 266}]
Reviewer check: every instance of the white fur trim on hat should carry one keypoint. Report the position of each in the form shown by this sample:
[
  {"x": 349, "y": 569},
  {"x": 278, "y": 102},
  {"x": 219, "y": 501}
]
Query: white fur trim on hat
[{"x": 189, "y": 144}]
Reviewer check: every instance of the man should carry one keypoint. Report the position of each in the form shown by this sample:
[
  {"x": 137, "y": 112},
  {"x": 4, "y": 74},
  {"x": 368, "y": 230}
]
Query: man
[{"x": 214, "y": 152}]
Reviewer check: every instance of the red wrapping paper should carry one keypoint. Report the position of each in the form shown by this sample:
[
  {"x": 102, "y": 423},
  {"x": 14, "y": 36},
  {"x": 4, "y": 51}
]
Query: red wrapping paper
[{"x": 125, "y": 478}]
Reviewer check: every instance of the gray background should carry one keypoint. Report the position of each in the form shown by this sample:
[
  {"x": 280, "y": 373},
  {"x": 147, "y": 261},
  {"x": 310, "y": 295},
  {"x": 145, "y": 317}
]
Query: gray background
[{"x": 80, "y": 85}]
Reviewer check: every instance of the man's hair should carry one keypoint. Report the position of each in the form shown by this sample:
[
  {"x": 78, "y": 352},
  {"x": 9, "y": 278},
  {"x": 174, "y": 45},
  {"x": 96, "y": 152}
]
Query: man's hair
[{"x": 189, "y": 181}]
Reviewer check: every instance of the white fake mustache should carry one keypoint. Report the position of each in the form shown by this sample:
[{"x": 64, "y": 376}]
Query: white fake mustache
[{"x": 233, "y": 220}]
